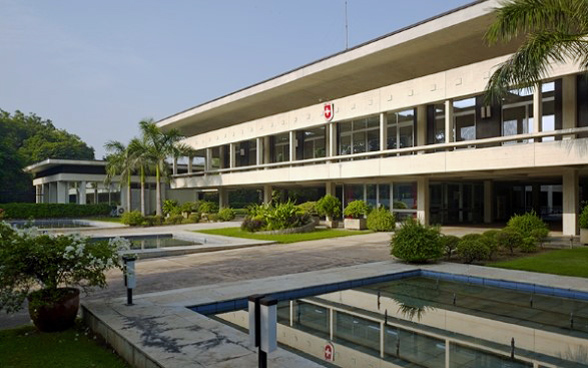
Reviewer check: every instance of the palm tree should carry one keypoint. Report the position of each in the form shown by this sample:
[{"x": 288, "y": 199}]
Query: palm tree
[
  {"x": 119, "y": 164},
  {"x": 139, "y": 154},
  {"x": 161, "y": 145},
  {"x": 551, "y": 31}
]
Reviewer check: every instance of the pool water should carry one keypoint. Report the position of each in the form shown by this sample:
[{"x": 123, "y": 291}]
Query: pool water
[
  {"x": 50, "y": 223},
  {"x": 140, "y": 242},
  {"x": 434, "y": 322}
]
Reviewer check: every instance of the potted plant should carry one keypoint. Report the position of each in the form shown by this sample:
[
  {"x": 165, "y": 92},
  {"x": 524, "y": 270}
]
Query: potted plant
[
  {"x": 584, "y": 225},
  {"x": 330, "y": 207},
  {"x": 48, "y": 271},
  {"x": 355, "y": 213}
]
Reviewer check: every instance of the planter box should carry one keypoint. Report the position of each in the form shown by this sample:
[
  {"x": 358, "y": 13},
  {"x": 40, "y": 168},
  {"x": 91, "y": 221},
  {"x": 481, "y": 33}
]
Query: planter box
[
  {"x": 355, "y": 224},
  {"x": 584, "y": 236},
  {"x": 333, "y": 224}
]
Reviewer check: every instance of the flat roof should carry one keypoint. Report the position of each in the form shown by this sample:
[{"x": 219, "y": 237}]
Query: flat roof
[
  {"x": 53, "y": 162},
  {"x": 446, "y": 41}
]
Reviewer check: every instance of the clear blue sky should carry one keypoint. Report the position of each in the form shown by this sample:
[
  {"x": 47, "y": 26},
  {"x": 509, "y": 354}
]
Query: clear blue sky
[{"x": 96, "y": 68}]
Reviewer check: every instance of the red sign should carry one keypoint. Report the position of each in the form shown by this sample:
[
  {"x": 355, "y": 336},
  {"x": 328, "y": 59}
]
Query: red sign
[
  {"x": 328, "y": 112},
  {"x": 329, "y": 352}
]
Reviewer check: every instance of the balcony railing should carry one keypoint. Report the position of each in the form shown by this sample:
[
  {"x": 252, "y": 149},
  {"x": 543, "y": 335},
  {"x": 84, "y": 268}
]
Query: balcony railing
[{"x": 471, "y": 144}]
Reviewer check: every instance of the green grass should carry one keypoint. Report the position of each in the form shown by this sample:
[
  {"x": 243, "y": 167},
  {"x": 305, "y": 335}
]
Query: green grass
[
  {"x": 283, "y": 238},
  {"x": 25, "y": 347},
  {"x": 566, "y": 262},
  {"x": 106, "y": 219}
]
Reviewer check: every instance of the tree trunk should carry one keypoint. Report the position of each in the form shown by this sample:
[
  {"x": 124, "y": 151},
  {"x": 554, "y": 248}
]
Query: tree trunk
[
  {"x": 142, "y": 191},
  {"x": 158, "y": 190},
  {"x": 129, "y": 193}
]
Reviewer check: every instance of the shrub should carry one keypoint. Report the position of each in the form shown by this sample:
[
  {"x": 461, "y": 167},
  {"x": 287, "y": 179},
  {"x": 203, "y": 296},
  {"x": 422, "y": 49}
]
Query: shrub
[
  {"x": 132, "y": 218},
  {"x": 189, "y": 207},
  {"x": 356, "y": 209},
  {"x": 584, "y": 218},
  {"x": 207, "y": 207},
  {"x": 54, "y": 210},
  {"x": 539, "y": 235},
  {"x": 174, "y": 219},
  {"x": 525, "y": 224},
  {"x": 491, "y": 241},
  {"x": 528, "y": 245},
  {"x": 212, "y": 217},
  {"x": 285, "y": 216},
  {"x": 472, "y": 247},
  {"x": 309, "y": 207},
  {"x": 449, "y": 244},
  {"x": 226, "y": 214},
  {"x": 509, "y": 238},
  {"x": 381, "y": 219},
  {"x": 153, "y": 221},
  {"x": 253, "y": 224},
  {"x": 415, "y": 242},
  {"x": 169, "y": 206},
  {"x": 194, "y": 218},
  {"x": 329, "y": 206}
]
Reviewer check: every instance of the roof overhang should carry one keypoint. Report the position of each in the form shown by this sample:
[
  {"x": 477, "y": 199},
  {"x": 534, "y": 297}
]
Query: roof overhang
[
  {"x": 51, "y": 163},
  {"x": 444, "y": 42}
]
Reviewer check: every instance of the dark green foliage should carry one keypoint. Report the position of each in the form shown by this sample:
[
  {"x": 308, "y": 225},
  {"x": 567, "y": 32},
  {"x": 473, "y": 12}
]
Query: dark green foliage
[
  {"x": 525, "y": 224},
  {"x": 356, "y": 209},
  {"x": 170, "y": 206},
  {"x": 253, "y": 224},
  {"x": 584, "y": 218},
  {"x": 491, "y": 240},
  {"x": 528, "y": 245},
  {"x": 381, "y": 219},
  {"x": 472, "y": 247},
  {"x": 226, "y": 214},
  {"x": 132, "y": 218},
  {"x": 309, "y": 207},
  {"x": 213, "y": 217},
  {"x": 188, "y": 207},
  {"x": 329, "y": 206},
  {"x": 415, "y": 242},
  {"x": 26, "y": 139},
  {"x": 207, "y": 207},
  {"x": 285, "y": 216},
  {"x": 509, "y": 239},
  {"x": 241, "y": 198},
  {"x": 539, "y": 235},
  {"x": 153, "y": 221},
  {"x": 449, "y": 244},
  {"x": 174, "y": 219},
  {"x": 53, "y": 210},
  {"x": 194, "y": 217}
]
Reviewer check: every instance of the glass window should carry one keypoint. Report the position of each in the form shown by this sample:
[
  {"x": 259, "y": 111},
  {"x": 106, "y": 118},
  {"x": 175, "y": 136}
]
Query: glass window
[
  {"x": 371, "y": 199},
  {"x": 517, "y": 112},
  {"x": 352, "y": 193},
  {"x": 313, "y": 143},
  {"x": 358, "y": 332},
  {"x": 281, "y": 151},
  {"x": 384, "y": 195},
  {"x": 439, "y": 131},
  {"x": 464, "y": 113},
  {"x": 401, "y": 129},
  {"x": 358, "y": 136}
]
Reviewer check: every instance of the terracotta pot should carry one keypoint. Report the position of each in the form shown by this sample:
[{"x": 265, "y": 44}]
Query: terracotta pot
[{"x": 54, "y": 310}]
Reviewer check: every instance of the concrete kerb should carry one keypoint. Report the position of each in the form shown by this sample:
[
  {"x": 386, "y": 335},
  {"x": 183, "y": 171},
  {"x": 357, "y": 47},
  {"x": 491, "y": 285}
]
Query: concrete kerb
[{"x": 159, "y": 331}]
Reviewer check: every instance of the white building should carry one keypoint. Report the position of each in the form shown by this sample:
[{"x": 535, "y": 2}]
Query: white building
[{"x": 400, "y": 121}]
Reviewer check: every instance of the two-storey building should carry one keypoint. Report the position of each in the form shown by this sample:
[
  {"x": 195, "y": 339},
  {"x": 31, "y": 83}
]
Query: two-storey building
[{"x": 401, "y": 122}]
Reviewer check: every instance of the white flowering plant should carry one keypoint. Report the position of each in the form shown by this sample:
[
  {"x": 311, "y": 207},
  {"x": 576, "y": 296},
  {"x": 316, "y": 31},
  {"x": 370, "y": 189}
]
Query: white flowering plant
[{"x": 31, "y": 260}]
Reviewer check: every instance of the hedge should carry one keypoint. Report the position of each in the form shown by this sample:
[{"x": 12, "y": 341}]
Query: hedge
[{"x": 53, "y": 210}]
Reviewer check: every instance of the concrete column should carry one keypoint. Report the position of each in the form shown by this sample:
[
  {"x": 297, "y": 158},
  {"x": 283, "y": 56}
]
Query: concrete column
[
  {"x": 267, "y": 193},
  {"x": 423, "y": 200},
  {"x": 266, "y": 150},
  {"x": 292, "y": 146},
  {"x": 332, "y": 142},
  {"x": 488, "y": 201},
  {"x": 96, "y": 192},
  {"x": 221, "y": 155},
  {"x": 537, "y": 110},
  {"x": 330, "y": 188},
  {"x": 223, "y": 197},
  {"x": 569, "y": 112},
  {"x": 175, "y": 166},
  {"x": 570, "y": 189},
  {"x": 62, "y": 192},
  {"x": 190, "y": 161},
  {"x": 37, "y": 194},
  {"x": 421, "y": 128},
  {"x": 232, "y": 155},
  {"x": 383, "y": 132},
  {"x": 208, "y": 162},
  {"x": 259, "y": 152},
  {"x": 449, "y": 121},
  {"x": 82, "y": 192}
]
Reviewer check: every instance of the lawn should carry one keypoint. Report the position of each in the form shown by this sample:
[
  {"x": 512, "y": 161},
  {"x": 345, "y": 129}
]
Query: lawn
[
  {"x": 283, "y": 238},
  {"x": 566, "y": 262},
  {"x": 25, "y": 347}
]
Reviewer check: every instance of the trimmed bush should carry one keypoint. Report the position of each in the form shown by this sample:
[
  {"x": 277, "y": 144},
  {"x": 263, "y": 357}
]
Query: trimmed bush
[
  {"x": 539, "y": 235},
  {"x": 309, "y": 207},
  {"x": 356, "y": 209},
  {"x": 528, "y": 245},
  {"x": 253, "y": 224},
  {"x": 417, "y": 243},
  {"x": 381, "y": 219},
  {"x": 285, "y": 216},
  {"x": 212, "y": 217},
  {"x": 132, "y": 218},
  {"x": 53, "y": 210},
  {"x": 207, "y": 207},
  {"x": 472, "y": 247},
  {"x": 509, "y": 238},
  {"x": 174, "y": 219},
  {"x": 194, "y": 217},
  {"x": 449, "y": 244},
  {"x": 584, "y": 218},
  {"x": 153, "y": 221},
  {"x": 329, "y": 206},
  {"x": 525, "y": 224},
  {"x": 491, "y": 241},
  {"x": 226, "y": 214}
]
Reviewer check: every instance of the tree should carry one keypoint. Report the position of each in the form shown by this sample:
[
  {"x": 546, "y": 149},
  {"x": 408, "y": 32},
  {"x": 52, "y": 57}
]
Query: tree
[
  {"x": 552, "y": 31},
  {"x": 141, "y": 158},
  {"x": 162, "y": 145},
  {"x": 119, "y": 163}
]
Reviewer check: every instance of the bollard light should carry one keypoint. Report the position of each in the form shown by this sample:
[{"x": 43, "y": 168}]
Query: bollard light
[{"x": 130, "y": 277}]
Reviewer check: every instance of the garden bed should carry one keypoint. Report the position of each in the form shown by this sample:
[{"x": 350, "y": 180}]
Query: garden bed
[{"x": 283, "y": 238}]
